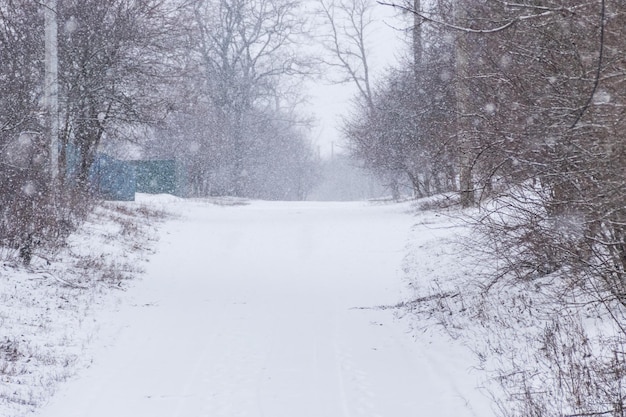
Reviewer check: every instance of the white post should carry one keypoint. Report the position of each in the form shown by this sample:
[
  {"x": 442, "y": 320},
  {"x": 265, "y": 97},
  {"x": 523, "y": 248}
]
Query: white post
[
  {"x": 51, "y": 88},
  {"x": 463, "y": 94}
]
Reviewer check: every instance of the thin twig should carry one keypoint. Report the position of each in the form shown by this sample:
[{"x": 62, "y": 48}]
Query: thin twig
[
  {"x": 596, "y": 81},
  {"x": 63, "y": 281},
  {"x": 411, "y": 303}
]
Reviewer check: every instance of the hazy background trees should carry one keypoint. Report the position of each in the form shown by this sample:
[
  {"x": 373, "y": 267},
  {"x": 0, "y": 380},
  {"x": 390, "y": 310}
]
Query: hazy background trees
[
  {"x": 344, "y": 179},
  {"x": 241, "y": 126},
  {"x": 347, "y": 28},
  {"x": 400, "y": 126}
]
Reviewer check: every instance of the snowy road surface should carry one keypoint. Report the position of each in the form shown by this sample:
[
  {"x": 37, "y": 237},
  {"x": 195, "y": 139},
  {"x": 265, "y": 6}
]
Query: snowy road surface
[{"x": 248, "y": 311}]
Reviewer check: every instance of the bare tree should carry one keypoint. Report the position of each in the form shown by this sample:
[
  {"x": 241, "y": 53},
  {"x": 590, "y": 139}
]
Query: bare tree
[
  {"x": 280, "y": 162},
  {"x": 116, "y": 60},
  {"x": 349, "y": 25},
  {"x": 112, "y": 56},
  {"x": 543, "y": 115},
  {"x": 400, "y": 128},
  {"x": 245, "y": 53}
]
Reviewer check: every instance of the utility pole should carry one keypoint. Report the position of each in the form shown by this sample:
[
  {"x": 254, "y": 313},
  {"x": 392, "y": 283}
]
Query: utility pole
[
  {"x": 51, "y": 87},
  {"x": 464, "y": 146}
]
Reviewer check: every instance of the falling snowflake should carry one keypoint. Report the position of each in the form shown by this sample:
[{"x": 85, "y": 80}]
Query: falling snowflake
[
  {"x": 30, "y": 189},
  {"x": 601, "y": 97},
  {"x": 490, "y": 108}
]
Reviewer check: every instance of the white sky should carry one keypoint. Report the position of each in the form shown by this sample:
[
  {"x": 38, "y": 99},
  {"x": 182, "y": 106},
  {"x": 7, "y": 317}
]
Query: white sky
[{"x": 330, "y": 102}]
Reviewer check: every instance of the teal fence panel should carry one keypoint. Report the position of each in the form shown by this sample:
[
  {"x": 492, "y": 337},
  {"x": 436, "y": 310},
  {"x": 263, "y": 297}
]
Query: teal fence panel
[
  {"x": 113, "y": 179},
  {"x": 159, "y": 177}
]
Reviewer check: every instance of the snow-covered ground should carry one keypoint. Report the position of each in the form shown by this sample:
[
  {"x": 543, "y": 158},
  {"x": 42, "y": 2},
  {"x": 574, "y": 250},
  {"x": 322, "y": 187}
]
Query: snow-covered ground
[
  {"x": 274, "y": 309},
  {"x": 48, "y": 311}
]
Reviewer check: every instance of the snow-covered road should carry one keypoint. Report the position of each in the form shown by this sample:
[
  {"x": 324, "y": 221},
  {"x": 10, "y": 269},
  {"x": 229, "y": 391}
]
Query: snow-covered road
[{"x": 249, "y": 311}]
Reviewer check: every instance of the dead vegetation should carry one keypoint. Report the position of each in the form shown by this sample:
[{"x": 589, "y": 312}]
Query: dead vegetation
[{"x": 47, "y": 308}]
